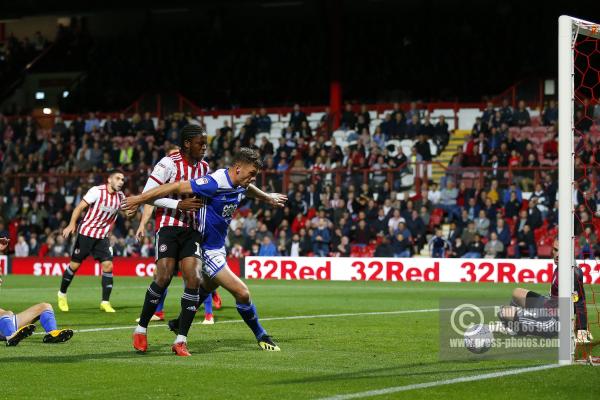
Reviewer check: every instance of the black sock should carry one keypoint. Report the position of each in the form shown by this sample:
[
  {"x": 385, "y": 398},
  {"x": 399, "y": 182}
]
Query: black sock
[
  {"x": 67, "y": 277},
  {"x": 153, "y": 295},
  {"x": 203, "y": 294},
  {"x": 189, "y": 305},
  {"x": 107, "y": 285}
]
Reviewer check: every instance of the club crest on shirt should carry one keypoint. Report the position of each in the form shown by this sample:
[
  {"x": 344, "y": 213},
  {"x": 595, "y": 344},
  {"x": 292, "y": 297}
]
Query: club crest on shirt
[{"x": 162, "y": 248}]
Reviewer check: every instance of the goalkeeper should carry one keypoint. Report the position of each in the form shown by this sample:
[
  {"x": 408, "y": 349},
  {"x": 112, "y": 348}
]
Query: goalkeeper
[
  {"x": 16, "y": 327},
  {"x": 535, "y": 314}
]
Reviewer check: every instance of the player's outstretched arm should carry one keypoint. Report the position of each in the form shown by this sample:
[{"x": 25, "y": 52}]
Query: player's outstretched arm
[
  {"x": 132, "y": 202},
  {"x": 72, "y": 227},
  {"x": 274, "y": 199}
]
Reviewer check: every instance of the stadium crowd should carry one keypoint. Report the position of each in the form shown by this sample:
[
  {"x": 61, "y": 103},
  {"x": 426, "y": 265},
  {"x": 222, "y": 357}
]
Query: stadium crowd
[{"x": 45, "y": 173}]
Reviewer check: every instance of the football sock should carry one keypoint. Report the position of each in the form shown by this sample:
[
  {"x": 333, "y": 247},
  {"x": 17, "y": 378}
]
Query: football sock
[
  {"x": 107, "y": 285},
  {"x": 208, "y": 305},
  {"x": 67, "y": 278},
  {"x": 7, "y": 325},
  {"x": 48, "y": 321},
  {"x": 190, "y": 299},
  {"x": 250, "y": 317},
  {"x": 153, "y": 295},
  {"x": 161, "y": 303}
]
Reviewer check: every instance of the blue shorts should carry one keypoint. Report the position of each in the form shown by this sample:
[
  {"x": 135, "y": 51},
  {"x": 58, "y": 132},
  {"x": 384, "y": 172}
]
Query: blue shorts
[{"x": 214, "y": 260}]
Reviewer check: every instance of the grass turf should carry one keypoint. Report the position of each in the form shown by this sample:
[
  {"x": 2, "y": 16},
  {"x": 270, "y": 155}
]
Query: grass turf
[{"x": 320, "y": 357}]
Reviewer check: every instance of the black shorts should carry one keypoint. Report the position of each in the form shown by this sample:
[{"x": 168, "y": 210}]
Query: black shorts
[
  {"x": 98, "y": 248},
  {"x": 178, "y": 243}
]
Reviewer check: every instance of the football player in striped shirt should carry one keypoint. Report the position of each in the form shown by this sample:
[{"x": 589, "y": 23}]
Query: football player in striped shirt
[
  {"x": 222, "y": 192},
  {"x": 103, "y": 203}
]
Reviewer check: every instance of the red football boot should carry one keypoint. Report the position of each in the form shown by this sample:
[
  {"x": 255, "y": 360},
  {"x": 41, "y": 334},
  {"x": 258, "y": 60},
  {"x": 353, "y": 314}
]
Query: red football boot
[
  {"x": 180, "y": 349},
  {"x": 140, "y": 342}
]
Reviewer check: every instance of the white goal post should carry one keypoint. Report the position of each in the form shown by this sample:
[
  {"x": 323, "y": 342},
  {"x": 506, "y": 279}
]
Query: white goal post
[{"x": 569, "y": 29}]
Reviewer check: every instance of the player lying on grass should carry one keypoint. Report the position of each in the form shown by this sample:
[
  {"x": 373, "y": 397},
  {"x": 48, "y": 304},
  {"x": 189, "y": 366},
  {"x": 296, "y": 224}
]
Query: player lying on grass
[
  {"x": 222, "y": 192},
  {"x": 16, "y": 327},
  {"x": 535, "y": 314}
]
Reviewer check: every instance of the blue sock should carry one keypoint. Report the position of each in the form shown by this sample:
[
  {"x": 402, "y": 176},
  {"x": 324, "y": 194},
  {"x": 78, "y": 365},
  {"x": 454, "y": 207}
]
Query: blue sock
[
  {"x": 7, "y": 325},
  {"x": 208, "y": 305},
  {"x": 161, "y": 303},
  {"x": 48, "y": 321},
  {"x": 250, "y": 317}
]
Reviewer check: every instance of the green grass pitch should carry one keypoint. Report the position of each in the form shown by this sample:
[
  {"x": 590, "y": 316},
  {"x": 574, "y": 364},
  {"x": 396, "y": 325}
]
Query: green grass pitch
[{"x": 321, "y": 356}]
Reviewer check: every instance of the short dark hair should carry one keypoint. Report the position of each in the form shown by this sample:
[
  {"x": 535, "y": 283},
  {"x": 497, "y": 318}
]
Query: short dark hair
[
  {"x": 246, "y": 155},
  {"x": 115, "y": 171},
  {"x": 189, "y": 131}
]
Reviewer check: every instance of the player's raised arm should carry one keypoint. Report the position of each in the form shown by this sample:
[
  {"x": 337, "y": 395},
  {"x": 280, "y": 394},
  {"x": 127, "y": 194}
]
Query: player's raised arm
[
  {"x": 72, "y": 227},
  {"x": 274, "y": 199}
]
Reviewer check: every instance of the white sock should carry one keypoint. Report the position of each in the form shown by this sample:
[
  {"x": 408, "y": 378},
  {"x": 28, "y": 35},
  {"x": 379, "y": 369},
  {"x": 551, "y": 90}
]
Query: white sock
[
  {"x": 181, "y": 338},
  {"x": 61, "y": 293},
  {"x": 140, "y": 329}
]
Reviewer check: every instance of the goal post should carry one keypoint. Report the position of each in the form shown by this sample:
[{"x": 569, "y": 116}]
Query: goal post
[{"x": 570, "y": 97}]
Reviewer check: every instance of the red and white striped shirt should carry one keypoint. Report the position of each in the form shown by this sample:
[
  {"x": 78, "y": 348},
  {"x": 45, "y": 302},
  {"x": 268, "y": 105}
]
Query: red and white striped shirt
[
  {"x": 174, "y": 168},
  {"x": 101, "y": 215}
]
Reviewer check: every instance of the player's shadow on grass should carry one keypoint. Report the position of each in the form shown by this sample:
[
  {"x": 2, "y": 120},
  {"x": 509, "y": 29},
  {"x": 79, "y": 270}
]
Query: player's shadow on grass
[
  {"x": 77, "y": 358},
  {"x": 398, "y": 371}
]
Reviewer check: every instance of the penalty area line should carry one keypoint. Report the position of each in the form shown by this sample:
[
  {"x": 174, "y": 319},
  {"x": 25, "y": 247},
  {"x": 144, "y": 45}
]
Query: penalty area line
[
  {"x": 396, "y": 389},
  {"x": 292, "y": 317}
]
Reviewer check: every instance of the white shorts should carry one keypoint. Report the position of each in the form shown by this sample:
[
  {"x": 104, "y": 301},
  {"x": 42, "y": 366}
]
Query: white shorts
[{"x": 214, "y": 261}]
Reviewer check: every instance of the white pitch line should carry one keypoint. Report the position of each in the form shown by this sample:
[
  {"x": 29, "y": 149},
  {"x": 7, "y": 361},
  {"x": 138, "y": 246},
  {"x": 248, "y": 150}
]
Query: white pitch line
[
  {"x": 116, "y": 328},
  {"x": 396, "y": 389}
]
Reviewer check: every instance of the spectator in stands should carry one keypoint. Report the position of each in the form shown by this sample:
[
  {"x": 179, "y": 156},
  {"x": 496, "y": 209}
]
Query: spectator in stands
[
  {"x": 588, "y": 244},
  {"x": 488, "y": 114},
  {"x": 475, "y": 248},
  {"x": 482, "y": 224},
  {"x": 349, "y": 119},
  {"x": 397, "y": 127},
  {"x": 394, "y": 221},
  {"x": 441, "y": 135},
  {"x": 296, "y": 117},
  {"x": 434, "y": 195},
  {"x": 521, "y": 115},
  {"x": 438, "y": 245},
  {"x": 413, "y": 129},
  {"x": 458, "y": 249},
  {"x": 468, "y": 234},
  {"x": 21, "y": 248},
  {"x": 267, "y": 248},
  {"x": 507, "y": 112},
  {"x": 502, "y": 231},
  {"x": 550, "y": 114},
  {"x": 92, "y": 123},
  {"x": 448, "y": 200},
  {"x": 525, "y": 243},
  {"x": 321, "y": 238},
  {"x": 534, "y": 216},
  {"x": 423, "y": 148},
  {"x": 494, "y": 248},
  {"x": 263, "y": 122},
  {"x": 401, "y": 246},
  {"x": 384, "y": 249},
  {"x": 550, "y": 146}
]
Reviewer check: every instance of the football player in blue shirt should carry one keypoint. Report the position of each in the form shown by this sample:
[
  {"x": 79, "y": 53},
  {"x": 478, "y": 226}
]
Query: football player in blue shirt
[{"x": 221, "y": 193}]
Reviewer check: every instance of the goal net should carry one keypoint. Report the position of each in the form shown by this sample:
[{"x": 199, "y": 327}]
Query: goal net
[{"x": 579, "y": 185}]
